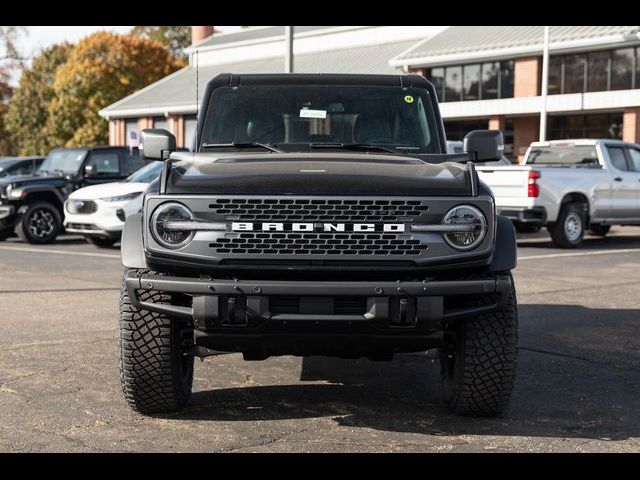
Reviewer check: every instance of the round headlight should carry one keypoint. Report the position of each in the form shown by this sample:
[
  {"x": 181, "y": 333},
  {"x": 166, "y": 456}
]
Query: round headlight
[
  {"x": 472, "y": 223},
  {"x": 171, "y": 212}
]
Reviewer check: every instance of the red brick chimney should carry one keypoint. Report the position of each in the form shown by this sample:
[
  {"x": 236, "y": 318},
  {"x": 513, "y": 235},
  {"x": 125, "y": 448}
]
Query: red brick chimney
[{"x": 200, "y": 33}]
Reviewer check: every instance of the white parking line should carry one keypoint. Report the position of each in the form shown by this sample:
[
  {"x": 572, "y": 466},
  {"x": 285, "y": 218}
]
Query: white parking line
[
  {"x": 60, "y": 252},
  {"x": 581, "y": 254}
]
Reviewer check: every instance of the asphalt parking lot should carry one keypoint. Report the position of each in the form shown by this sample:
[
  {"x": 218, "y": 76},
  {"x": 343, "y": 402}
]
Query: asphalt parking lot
[{"x": 578, "y": 386}]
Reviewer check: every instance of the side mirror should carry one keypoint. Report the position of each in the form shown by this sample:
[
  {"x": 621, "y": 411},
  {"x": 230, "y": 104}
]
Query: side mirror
[
  {"x": 89, "y": 171},
  {"x": 484, "y": 145},
  {"x": 156, "y": 144}
]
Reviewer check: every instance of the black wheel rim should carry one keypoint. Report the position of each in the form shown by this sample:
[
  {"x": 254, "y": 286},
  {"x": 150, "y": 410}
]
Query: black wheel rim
[{"x": 41, "y": 223}]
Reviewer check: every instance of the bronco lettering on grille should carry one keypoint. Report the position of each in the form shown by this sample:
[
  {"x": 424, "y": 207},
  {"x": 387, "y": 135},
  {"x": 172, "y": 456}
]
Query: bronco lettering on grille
[{"x": 317, "y": 227}]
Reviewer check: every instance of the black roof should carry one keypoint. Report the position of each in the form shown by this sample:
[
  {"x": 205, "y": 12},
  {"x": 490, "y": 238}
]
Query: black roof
[{"x": 318, "y": 79}]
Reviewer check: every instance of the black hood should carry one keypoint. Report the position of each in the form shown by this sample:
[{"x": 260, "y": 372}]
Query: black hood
[
  {"x": 314, "y": 174},
  {"x": 22, "y": 180}
]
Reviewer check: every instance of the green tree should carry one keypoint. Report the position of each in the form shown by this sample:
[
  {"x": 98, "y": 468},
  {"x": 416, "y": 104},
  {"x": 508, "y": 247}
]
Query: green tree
[
  {"x": 9, "y": 60},
  {"x": 176, "y": 39},
  {"x": 102, "y": 69},
  {"x": 29, "y": 107}
]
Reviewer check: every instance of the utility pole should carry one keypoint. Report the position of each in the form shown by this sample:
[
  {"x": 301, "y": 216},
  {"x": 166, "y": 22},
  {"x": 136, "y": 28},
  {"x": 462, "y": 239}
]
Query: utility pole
[
  {"x": 545, "y": 85},
  {"x": 288, "y": 54}
]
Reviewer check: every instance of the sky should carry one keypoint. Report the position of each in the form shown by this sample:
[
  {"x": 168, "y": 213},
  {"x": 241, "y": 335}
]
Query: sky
[{"x": 40, "y": 37}]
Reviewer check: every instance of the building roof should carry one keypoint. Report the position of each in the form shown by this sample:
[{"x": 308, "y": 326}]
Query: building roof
[
  {"x": 470, "y": 42},
  {"x": 177, "y": 94},
  {"x": 254, "y": 34}
]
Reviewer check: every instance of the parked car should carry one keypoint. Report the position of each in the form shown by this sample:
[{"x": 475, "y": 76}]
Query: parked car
[
  {"x": 271, "y": 239},
  {"x": 98, "y": 212},
  {"x": 570, "y": 186},
  {"x": 12, "y": 166},
  {"x": 32, "y": 206}
]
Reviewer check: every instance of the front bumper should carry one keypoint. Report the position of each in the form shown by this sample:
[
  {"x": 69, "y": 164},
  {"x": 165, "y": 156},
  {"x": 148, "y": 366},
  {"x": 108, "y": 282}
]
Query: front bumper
[
  {"x": 7, "y": 211},
  {"x": 237, "y": 315},
  {"x": 528, "y": 215}
]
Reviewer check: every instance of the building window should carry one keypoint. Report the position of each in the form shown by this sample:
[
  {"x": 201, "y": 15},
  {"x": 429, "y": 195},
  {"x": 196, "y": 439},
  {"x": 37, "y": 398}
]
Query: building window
[
  {"x": 594, "y": 71},
  {"x": 437, "y": 78},
  {"x": 622, "y": 63},
  {"x": 131, "y": 132},
  {"x": 160, "y": 122},
  {"x": 606, "y": 125},
  {"x": 490, "y": 80},
  {"x": 597, "y": 71},
  {"x": 190, "y": 125},
  {"x": 453, "y": 84},
  {"x": 456, "y": 130},
  {"x": 555, "y": 75},
  {"x": 574, "y": 66},
  {"x": 506, "y": 79},
  {"x": 473, "y": 82}
]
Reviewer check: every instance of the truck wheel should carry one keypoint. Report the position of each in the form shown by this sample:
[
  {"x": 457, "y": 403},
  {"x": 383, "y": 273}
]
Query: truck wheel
[
  {"x": 568, "y": 231},
  {"x": 155, "y": 371},
  {"x": 479, "y": 366},
  {"x": 103, "y": 242},
  {"x": 41, "y": 223},
  {"x": 599, "y": 230}
]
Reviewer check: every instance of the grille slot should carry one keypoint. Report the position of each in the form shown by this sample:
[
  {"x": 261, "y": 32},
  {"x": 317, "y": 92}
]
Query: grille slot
[
  {"x": 321, "y": 210},
  {"x": 341, "y": 305},
  {"x": 347, "y": 244},
  {"x": 84, "y": 207}
]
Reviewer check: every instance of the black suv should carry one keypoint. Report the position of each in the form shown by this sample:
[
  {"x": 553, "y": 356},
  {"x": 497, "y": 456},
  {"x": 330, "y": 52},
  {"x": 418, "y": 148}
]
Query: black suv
[
  {"x": 32, "y": 205},
  {"x": 319, "y": 215}
]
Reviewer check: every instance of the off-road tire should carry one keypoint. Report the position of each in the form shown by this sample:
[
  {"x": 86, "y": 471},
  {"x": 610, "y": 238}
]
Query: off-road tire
[
  {"x": 24, "y": 225},
  {"x": 574, "y": 211},
  {"x": 103, "y": 242},
  {"x": 155, "y": 371},
  {"x": 479, "y": 366},
  {"x": 599, "y": 230}
]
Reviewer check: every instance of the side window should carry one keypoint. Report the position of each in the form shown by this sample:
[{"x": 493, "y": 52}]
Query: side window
[
  {"x": 618, "y": 158},
  {"x": 634, "y": 155},
  {"x": 132, "y": 161},
  {"x": 106, "y": 163},
  {"x": 21, "y": 169}
]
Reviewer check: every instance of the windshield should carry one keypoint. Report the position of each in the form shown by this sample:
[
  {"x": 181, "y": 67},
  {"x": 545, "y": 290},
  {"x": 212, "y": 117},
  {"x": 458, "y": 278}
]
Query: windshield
[
  {"x": 146, "y": 174},
  {"x": 561, "y": 155},
  {"x": 301, "y": 117},
  {"x": 66, "y": 161}
]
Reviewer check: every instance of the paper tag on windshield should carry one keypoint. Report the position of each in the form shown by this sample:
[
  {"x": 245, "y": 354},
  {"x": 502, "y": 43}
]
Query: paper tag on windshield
[{"x": 307, "y": 113}]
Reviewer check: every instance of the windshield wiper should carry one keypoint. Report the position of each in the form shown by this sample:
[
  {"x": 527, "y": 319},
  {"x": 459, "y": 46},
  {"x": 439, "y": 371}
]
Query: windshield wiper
[
  {"x": 354, "y": 146},
  {"x": 266, "y": 146}
]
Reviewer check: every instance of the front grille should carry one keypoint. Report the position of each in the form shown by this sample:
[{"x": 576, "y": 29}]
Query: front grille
[
  {"x": 338, "y": 210},
  {"x": 329, "y": 305},
  {"x": 84, "y": 207},
  {"x": 287, "y": 243}
]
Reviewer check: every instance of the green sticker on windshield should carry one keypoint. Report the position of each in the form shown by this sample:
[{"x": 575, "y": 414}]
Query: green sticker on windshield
[{"x": 408, "y": 99}]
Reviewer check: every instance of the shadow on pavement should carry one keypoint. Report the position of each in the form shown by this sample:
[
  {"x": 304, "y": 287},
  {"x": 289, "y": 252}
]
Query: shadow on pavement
[
  {"x": 590, "y": 242},
  {"x": 566, "y": 387}
]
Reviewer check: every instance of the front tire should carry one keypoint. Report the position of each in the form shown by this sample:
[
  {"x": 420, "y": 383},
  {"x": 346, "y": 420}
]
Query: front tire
[
  {"x": 156, "y": 370},
  {"x": 568, "y": 230},
  {"x": 40, "y": 224},
  {"x": 479, "y": 366}
]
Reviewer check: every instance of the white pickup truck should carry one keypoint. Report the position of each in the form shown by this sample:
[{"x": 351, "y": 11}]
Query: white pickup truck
[{"x": 570, "y": 186}]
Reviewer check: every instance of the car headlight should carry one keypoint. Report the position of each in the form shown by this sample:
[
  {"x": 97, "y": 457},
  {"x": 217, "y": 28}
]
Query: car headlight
[
  {"x": 473, "y": 227},
  {"x": 122, "y": 198},
  {"x": 171, "y": 212}
]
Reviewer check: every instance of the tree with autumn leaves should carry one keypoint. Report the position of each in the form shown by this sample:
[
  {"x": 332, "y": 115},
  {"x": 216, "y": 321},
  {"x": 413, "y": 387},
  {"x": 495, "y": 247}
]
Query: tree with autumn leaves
[{"x": 63, "y": 105}]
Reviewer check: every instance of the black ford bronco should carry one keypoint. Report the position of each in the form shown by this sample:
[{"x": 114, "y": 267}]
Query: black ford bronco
[
  {"x": 31, "y": 206},
  {"x": 319, "y": 215}
]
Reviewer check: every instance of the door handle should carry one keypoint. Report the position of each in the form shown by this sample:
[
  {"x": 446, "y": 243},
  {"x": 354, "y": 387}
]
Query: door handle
[{"x": 617, "y": 179}]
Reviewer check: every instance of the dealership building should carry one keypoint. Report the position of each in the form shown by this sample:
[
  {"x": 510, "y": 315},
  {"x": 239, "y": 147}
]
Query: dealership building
[{"x": 485, "y": 76}]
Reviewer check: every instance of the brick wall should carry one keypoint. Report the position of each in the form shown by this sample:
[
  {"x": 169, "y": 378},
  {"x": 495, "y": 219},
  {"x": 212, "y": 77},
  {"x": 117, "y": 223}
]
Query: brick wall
[
  {"x": 527, "y": 76},
  {"x": 525, "y": 131},
  {"x": 631, "y": 125}
]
